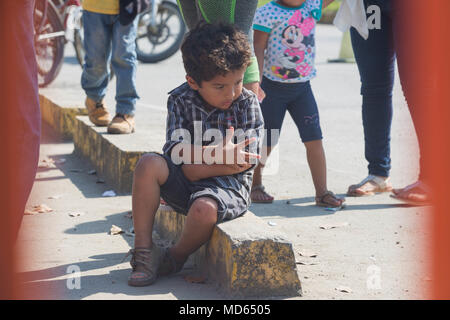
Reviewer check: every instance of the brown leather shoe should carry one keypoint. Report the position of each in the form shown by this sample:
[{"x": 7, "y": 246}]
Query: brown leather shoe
[
  {"x": 97, "y": 112},
  {"x": 121, "y": 124}
]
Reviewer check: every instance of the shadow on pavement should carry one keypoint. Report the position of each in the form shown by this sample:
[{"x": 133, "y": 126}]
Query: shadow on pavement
[{"x": 41, "y": 284}]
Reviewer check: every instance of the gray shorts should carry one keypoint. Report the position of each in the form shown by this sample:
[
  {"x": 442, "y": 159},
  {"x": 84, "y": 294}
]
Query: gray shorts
[{"x": 180, "y": 193}]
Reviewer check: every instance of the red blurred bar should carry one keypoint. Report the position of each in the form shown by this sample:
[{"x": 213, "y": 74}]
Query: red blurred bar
[
  {"x": 437, "y": 51},
  {"x": 19, "y": 131}
]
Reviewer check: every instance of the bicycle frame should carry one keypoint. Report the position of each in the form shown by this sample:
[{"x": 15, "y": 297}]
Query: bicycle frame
[{"x": 68, "y": 13}]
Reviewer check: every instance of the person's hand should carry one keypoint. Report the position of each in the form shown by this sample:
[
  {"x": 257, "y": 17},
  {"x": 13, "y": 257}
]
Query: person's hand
[
  {"x": 261, "y": 94},
  {"x": 235, "y": 154}
]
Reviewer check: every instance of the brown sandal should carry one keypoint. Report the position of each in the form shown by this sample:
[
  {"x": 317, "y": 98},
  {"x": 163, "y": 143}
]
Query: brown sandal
[
  {"x": 262, "y": 190},
  {"x": 145, "y": 264},
  {"x": 321, "y": 202}
]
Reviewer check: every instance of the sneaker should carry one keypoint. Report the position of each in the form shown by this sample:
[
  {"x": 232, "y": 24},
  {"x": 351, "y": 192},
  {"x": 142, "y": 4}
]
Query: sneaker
[
  {"x": 145, "y": 265},
  {"x": 121, "y": 124},
  {"x": 97, "y": 112}
]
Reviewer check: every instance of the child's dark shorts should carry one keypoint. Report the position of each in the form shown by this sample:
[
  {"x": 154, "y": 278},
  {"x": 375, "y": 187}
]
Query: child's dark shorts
[
  {"x": 180, "y": 193},
  {"x": 298, "y": 99}
]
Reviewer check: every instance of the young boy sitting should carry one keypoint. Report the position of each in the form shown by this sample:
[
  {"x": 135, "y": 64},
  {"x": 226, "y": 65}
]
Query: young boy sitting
[{"x": 207, "y": 178}]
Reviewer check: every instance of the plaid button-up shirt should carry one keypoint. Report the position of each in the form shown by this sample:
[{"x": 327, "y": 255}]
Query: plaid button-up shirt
[{"x": 185, "y": 110}]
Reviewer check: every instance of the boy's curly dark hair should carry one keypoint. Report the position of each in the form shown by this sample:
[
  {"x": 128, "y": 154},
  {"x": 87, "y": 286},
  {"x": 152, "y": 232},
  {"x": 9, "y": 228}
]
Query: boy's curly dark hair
[{"x": 214, "y": 49}]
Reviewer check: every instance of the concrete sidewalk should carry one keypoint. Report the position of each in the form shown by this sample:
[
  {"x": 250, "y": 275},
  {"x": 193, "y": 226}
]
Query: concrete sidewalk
[{"x": 373, "y": 249}]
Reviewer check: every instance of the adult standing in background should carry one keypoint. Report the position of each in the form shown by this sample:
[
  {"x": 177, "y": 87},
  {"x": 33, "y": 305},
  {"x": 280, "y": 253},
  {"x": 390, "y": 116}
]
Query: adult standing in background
[
  {"x": 391, "y": 38},
  {"x": 107, "y": 39}
]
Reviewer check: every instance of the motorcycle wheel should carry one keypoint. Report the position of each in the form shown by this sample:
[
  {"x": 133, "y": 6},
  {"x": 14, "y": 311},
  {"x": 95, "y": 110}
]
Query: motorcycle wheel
[{"x": 162, "y": 41}]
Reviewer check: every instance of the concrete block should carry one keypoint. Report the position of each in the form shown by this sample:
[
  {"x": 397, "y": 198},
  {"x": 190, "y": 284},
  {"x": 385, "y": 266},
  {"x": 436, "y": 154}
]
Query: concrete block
[{"x": 244, "y": 256}]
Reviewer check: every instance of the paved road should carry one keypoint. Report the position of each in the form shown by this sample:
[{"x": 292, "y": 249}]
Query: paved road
[{"x": 377, "y": 248}]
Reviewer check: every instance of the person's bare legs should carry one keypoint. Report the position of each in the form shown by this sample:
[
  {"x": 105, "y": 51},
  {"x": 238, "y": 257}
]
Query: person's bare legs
[
  {"x": 151, "y": 172},
  {"x": 317, "y": 164},
  {"x": 200, "y": 222},
  {"x": 258, "y": 194}
]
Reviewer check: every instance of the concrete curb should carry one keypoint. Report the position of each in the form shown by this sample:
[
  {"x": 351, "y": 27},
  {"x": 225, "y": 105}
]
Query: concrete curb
[
  {"x": 244, "y": 257},
  {"x": 63, "y": 120},
  {"x": 118, "y": 167}
]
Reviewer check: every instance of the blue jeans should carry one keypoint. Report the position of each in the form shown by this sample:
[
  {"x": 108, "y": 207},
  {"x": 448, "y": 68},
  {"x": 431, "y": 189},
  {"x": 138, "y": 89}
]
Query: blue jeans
[
  {"x": 376, "y": 59},
  {"x": 107, "y": 41}
]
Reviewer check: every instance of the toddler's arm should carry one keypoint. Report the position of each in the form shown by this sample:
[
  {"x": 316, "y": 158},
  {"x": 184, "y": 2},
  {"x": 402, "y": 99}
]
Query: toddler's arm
[{"x": 260, "y": 39}]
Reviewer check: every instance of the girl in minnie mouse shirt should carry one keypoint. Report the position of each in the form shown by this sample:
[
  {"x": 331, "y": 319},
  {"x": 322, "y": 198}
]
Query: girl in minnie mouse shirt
[{"x": 285, "y": 48}]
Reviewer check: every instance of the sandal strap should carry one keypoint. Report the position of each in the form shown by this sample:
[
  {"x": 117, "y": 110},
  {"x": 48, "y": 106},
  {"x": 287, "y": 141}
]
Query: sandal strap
[
  {"x": 379, "y": 182},
  {"x": 259, "y": 187},
  {"x": 141, "y": 257},
  {"x": 326, "y": 194}
]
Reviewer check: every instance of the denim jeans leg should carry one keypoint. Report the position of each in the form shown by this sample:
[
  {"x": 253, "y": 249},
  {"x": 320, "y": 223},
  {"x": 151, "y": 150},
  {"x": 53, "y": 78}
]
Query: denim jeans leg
[
  {"x": 97, "y": 45},
  {"x": 124, "y": 66},
  {"x": 375, "y": 58}
]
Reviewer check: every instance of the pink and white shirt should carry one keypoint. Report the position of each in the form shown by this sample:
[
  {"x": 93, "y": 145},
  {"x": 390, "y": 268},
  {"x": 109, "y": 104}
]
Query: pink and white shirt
[{"x": 290, "y": 51}]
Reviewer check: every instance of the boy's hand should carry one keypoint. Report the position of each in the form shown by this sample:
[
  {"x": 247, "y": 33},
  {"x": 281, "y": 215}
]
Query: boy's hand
[{"x": 235, "y": 154}]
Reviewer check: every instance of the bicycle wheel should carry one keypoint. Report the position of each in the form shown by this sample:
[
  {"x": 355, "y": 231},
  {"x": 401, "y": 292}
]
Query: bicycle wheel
[
  {"x": 49, "y": 42},
  {"x": 157, "y": 43}
]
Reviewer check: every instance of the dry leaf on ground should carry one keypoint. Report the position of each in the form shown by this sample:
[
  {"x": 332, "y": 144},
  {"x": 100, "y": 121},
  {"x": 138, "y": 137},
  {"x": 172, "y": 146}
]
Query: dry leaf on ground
[
  {"x": 333, "y": 225},
  {"x": 306, "y": 263},
  {"x": 76, "y": 214},
  {"x": 40, "y": 208},
  {"x": 307, "y": 253},
  {"x": 115, "y": 230},
  {"x": 46, "y": 163},
  {"x": 344, "y": 289},
  {"x": 55, "y": 197}
]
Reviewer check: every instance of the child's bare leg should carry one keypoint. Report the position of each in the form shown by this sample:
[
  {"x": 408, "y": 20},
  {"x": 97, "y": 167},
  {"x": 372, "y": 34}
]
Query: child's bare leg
[
  {"x": 317, "y": 164},
  {"x": 258, "y": 194},
  {"x": 200, "y": 222},
  {"x": 151, "y": 172}
]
